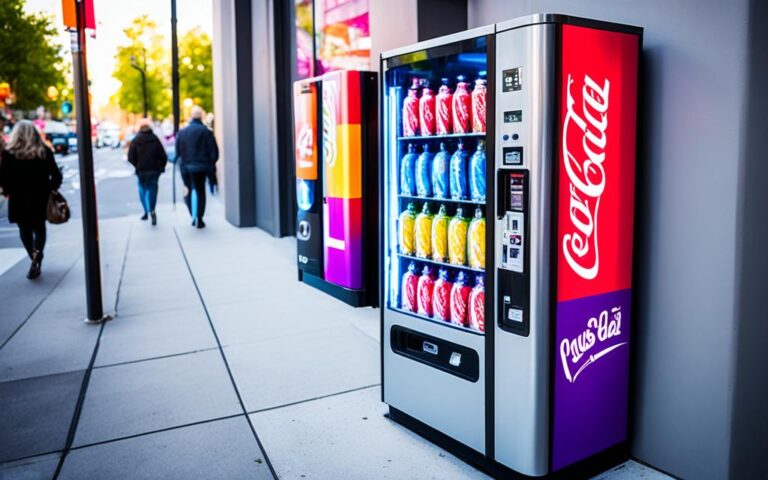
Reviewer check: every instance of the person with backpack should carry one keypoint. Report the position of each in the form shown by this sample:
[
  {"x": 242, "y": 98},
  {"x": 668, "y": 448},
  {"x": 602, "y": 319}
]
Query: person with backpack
[
  {"x": 28, "y": 175},
  {"x": 197, "y": 152},
  {"x": 148, "y": 157}
]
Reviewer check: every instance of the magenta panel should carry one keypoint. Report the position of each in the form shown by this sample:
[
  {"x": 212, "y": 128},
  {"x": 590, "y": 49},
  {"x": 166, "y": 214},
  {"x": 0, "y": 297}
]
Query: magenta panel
[{"x": 343, "y": 242}]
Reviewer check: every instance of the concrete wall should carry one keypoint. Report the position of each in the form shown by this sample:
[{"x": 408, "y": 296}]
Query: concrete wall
[
  {"x": 393, "y": 24},
  {"x": 689, "y": 184}
]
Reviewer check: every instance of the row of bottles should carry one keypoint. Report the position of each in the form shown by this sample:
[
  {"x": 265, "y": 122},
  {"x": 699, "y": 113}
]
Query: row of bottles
[
  {"x": 446, "y": 112},
  {"x": 454, "y": 240},
  {"x": 455, "y": 302},
  {"x": 445, "y": 175}
]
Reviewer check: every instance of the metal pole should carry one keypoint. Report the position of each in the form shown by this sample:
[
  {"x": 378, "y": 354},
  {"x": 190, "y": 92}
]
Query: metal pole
[
  {"x": 87, "y": 183},
  {"x": 175, "y": 87},
  {"x": 144, "y": 89}
]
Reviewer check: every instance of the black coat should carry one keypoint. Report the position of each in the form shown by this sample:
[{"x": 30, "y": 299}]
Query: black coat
[
  {"x": 28, "y": 184},
  {"x": 147, "y": 153},
  {"x": 196, "y": 149}
]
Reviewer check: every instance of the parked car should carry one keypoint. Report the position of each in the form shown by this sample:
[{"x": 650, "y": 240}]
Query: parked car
[
  {"x": 72, "y": 139},
  {"x": 58, "y": 135},
  {"x": 108, "y": 137}
]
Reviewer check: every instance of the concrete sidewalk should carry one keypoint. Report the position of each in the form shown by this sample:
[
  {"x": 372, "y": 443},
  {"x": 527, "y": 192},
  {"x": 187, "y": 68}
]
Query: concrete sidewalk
[{"x": 218, "y": 364}]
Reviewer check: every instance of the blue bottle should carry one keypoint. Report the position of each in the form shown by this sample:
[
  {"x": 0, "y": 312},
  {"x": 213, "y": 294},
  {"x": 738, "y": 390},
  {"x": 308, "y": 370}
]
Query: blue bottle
[
  {"x": 458, "y": 184},
  {"x": 408, "y": 172},
  {"x": 477, "y": 173},
  {"x": 440, "y": 172},
  {"x": 424, "y": 173}
]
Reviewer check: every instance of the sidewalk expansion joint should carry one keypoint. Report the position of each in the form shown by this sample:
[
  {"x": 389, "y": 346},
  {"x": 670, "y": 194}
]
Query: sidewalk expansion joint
[
  {"x": 87, "y": 377},
  {"x": 224, "y": 357},
  {"x": 299, "y": 402},
  {"x": 140, "y": 360}
]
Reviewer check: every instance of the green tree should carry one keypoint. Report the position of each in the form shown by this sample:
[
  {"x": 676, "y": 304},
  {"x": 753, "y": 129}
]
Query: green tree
[
  {"x": 144, "y": 47},
  {"x": 196, "y": 68},
  {"x": 30, "y": 61}
]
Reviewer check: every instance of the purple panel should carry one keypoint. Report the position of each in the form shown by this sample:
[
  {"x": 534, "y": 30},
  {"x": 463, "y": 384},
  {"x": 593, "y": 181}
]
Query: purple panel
[
  {"x": 591, "y": 376},
  {"x": 343, "y": 242}
]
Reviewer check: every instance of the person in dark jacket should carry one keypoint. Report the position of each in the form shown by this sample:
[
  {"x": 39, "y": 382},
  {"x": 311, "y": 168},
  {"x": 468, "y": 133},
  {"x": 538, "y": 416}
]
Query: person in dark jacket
[
  {"x": 197, "y": 152},
  {"x": 28, "y": 175},
  {"x": 148, "y": 157}
]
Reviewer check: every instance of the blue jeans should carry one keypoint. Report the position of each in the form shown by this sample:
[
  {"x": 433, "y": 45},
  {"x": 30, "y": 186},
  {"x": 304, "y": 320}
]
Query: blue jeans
[{"x": 148, "y": 191}]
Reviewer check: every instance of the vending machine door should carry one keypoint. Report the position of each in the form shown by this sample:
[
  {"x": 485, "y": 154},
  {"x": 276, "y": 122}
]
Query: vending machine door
[{"x": 309, "y": 188}]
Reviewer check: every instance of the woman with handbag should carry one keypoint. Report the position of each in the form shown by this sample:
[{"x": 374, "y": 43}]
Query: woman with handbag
[{"x": 28, "y": 176}]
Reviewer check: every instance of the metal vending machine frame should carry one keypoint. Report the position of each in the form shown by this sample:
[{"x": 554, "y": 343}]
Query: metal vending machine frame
[
  {"x": 341, "y": 163},
  {"x": 543, "y": 391}
]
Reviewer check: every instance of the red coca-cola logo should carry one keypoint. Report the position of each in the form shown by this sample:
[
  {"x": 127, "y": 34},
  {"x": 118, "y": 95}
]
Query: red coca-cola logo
[{"x": 584, "y": 142}]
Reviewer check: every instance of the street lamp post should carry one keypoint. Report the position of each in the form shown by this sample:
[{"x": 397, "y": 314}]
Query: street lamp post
[{"x": 143, "y": 79}]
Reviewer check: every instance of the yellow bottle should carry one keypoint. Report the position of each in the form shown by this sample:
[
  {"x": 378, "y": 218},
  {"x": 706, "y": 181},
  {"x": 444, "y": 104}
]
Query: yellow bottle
[
  {"x": 440, "y": 236},
  {"x": 407, "y": 224},
  {"x": 423, "y": 232},
  {"x": 476, "y": 240},
  {"x": 457, "y": 238}
]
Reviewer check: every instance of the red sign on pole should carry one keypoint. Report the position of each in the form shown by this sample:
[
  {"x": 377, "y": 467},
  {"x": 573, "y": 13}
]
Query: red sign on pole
[{"x": 68, "y": 8}]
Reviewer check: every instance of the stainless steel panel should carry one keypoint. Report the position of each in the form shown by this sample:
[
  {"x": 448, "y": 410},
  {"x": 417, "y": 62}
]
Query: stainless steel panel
[
  {"x": 450, "y": 404},
  {"x": 444, "y": 40},
  {"x": 521, "y": 395},
  {"x": 527, "y": 20}
]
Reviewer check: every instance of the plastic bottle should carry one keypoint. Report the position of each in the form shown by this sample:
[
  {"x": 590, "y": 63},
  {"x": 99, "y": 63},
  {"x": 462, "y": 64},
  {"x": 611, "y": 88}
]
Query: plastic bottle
[
  {"x": 444, "y": 109},
  {"x": 458, "y": 179},
  {"x": 407, "y": 226},
  {"x": 477, "y": 173},
  {"x": 457, "y": 238},
  {"x": 440, "y": 235},
  {"x": 427, "y": 110},
  {"x": 441, "y": 298},
  {"x": 441, "y": 165},
  {"x": 423, "y": 232},
  {"x": 408, "y": 171},
  {"x": 462, "y": 107},
  {"x": 460, "y": 300},
  {"x": 424, "y": 292},
  {"x": 476, "y": 240},
  {"x": 411, "y": 110},
  {"x": 409, "y": 287},
  {"x": 476, "y": 307},
  {"x": 478, "y": 104},
  {"x": 424, "y": 173}
]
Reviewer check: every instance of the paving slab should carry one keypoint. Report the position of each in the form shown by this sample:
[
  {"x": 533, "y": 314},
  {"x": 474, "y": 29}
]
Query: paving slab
[
  {"x": 35, "y": 414},
  {"x": 36, "y": 468},
  {"x": 632, "y": 470},
  {"x": 224, "y": 449},
  {"x": 347, "y": 436},
  {"x": 295, "y": 368},
  {"x": 146, "y": 298},
  {"x": 151, "y": 395},
  {"x": 129, "y": 338},
  {"x": 10, "y": 257}
]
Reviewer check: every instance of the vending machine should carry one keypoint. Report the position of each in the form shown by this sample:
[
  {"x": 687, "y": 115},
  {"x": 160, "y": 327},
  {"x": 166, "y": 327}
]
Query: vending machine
[
  {"x": 508, "y": 173},
  {"x": 335, "y": 135}
]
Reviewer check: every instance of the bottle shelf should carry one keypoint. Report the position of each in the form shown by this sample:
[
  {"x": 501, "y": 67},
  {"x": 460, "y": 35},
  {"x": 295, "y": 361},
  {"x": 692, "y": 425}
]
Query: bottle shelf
[
  {"x": 438, "y": 321},
  {"x": 440, "y": 264},
  {"x": 442, "y": 200},
  {"x": 450, "y": 136}
]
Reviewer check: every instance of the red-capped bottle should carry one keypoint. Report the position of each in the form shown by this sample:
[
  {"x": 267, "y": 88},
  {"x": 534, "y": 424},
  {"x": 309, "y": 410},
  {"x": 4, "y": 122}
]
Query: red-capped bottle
[
  {"x": 462, "y": 107},
  {"x": 427, "y": 110},
  {"x": 409, "y": 287},
  {"x": 425, "y": 291},
  {"x": 478, "y": 104},
  {"x": 477, "y": 305},
  {"x": 441, "y": 299},
  {"x": 460, "y": 300},
  {"x": 444, "y": 109},
  {"x": 411, "y": 110}
]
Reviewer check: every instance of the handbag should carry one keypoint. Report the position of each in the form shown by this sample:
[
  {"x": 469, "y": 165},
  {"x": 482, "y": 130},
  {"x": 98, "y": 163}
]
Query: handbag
[{"x": 58, "y": 210}]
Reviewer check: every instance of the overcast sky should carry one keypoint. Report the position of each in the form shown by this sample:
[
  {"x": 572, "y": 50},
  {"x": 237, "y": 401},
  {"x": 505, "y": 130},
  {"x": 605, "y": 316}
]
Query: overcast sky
[{"x": 112, "y": 16}]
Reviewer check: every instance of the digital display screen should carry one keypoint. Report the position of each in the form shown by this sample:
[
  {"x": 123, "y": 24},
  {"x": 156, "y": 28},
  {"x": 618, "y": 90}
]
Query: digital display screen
[
  {"x": 511, "y": 80},
  {"x": 514, "y": 116}
]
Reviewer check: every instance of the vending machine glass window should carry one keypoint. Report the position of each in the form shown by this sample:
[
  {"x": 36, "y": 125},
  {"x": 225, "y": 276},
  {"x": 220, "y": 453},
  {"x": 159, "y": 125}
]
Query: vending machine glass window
[{"x": 435, "y": 199}]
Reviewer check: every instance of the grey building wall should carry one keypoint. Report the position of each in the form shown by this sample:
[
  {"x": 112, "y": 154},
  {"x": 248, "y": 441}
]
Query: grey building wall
[{"x": 696, "y": 323}]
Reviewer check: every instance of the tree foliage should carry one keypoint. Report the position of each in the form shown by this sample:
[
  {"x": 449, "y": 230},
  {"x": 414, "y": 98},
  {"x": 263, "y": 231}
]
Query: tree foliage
[
  {"x": 196, "y": 68},
  {"x": 30, "y": 61},
  {"x": 145, "y": 47}
]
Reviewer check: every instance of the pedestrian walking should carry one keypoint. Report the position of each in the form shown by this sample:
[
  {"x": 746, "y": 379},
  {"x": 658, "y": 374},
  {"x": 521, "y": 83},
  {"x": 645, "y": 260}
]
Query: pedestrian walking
[
  {"x": 148, "y": 157},
  {"x": 197, "y": 153},
  {"x": 28, "y": 175}
]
